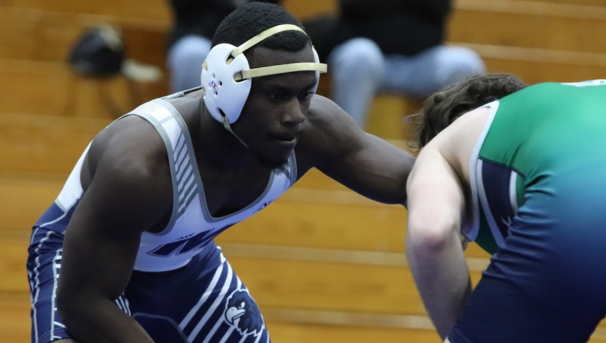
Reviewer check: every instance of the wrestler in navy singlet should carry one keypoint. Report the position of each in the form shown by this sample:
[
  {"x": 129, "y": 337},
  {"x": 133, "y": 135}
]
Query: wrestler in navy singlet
[
  {"x": 538, "y": 181},
  {"x": 182, "y": 288}
]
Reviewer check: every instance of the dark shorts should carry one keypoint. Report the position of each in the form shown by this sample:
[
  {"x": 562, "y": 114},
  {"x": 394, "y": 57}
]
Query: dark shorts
[
  {"x": 548, "y": 283},
  {"x": 204, "y": 301}
]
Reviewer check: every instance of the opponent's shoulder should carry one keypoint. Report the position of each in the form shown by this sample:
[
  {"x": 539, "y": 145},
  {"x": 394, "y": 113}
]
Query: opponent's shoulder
[{"x": 458, "y": 141}]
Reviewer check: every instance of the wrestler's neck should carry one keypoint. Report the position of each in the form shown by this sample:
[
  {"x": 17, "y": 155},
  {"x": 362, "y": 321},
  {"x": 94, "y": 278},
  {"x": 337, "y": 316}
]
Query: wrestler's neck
[{"x": 215, "y": 146}]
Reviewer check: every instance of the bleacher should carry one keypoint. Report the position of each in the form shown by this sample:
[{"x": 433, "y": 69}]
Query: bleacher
[{"x": 323, "y": 263}]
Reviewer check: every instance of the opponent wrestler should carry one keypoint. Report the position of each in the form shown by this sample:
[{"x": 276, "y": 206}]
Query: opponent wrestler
[
  {"x": 126, "y": 252},
  {"x": 524, "y": 177}
]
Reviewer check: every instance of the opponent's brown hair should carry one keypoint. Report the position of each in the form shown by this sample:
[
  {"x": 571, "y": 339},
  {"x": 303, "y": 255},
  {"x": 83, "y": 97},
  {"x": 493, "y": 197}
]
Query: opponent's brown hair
[{"x": 444, "y": 107}]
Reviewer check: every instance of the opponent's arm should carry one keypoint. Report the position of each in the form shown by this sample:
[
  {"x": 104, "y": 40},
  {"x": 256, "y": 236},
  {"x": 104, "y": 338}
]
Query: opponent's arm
[
  {"x": 433, "y": 244},
  {"x": 365, "y": 163},
  {"x": 123, "y": 199}
]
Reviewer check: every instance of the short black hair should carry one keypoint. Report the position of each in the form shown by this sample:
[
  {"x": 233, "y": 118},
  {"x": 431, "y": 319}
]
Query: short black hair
[
  {"x": 255, "y": 17},
  {"x": 444, "y": 107}
]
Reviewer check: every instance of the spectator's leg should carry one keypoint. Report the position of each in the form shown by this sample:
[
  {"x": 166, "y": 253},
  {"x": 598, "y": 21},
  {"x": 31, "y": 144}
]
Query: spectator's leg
[
  {"x": 356, "y": 69},
  {"x": 430, "y": 71},
  {"x": 184, "y": 62}
]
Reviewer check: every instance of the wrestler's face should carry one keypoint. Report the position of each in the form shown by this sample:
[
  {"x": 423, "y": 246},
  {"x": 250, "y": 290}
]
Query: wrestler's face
[{"x": 273, "y": 116}]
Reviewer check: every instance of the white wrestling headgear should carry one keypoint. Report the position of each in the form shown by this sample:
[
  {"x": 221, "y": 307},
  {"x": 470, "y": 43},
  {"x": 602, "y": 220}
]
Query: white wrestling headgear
[{"x": 226, "y": 75}]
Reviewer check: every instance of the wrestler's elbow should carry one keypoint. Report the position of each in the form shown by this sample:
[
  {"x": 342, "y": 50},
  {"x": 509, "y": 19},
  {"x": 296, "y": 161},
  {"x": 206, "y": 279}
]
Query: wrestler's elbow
[{"x": 431, "y": 235}]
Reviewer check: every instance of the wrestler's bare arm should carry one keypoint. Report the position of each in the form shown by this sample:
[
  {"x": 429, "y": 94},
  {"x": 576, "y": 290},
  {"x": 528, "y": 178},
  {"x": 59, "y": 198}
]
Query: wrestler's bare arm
[
  {"x": 124, "y": 196},
  {"x": 365, "y": 163},
  {"x": 437, "y": 190},
  {"x": 436, "y": 204}
]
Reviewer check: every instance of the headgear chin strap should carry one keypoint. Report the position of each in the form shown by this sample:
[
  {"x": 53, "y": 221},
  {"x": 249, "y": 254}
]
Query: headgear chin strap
[{"x": 226, "y": 75}]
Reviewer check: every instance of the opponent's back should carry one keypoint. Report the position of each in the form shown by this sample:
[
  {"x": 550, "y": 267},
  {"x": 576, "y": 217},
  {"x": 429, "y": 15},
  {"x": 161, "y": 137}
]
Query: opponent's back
[
  {"x": 533, "y": 137},
  {"x": 534, "y": 127}
]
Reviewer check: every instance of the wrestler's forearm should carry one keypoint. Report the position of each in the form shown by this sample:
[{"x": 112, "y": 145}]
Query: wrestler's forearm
[
  {"x": 102, "y": 321},
  {"x": 433, "y": 242},
  {"x": 441, "y": 275}
]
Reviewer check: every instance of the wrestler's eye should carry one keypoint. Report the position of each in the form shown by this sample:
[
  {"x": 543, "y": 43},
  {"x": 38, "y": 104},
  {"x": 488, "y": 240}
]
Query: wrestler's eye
[
  {"x": 275, "y": 96},
  {"x": 243, "y": 304},
  {"x": 305, "y": 95}
]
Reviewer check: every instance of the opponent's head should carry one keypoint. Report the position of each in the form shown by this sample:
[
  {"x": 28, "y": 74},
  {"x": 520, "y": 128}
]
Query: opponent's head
[
  {"x": 226, "y": 73},
  {"x": 444, "y": 107}
]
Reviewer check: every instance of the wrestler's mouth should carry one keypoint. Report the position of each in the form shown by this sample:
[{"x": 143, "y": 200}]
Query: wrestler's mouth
[{"x": 286, "y": 139}]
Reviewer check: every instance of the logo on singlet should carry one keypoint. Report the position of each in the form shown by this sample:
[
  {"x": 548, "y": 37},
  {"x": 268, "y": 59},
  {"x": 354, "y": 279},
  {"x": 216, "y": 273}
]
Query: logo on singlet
[
  {"x": 242, "y": 312},
  {"x": 186, "y": 245}
]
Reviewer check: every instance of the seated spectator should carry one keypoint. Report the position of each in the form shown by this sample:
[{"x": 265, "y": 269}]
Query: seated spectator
[
  {"x": 194, "y": 23},
  {"x": 388, "y": 46}
]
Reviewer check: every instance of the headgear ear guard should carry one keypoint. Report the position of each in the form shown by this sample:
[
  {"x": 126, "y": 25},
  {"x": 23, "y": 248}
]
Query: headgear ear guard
[{"x": 226, "y": 75}]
